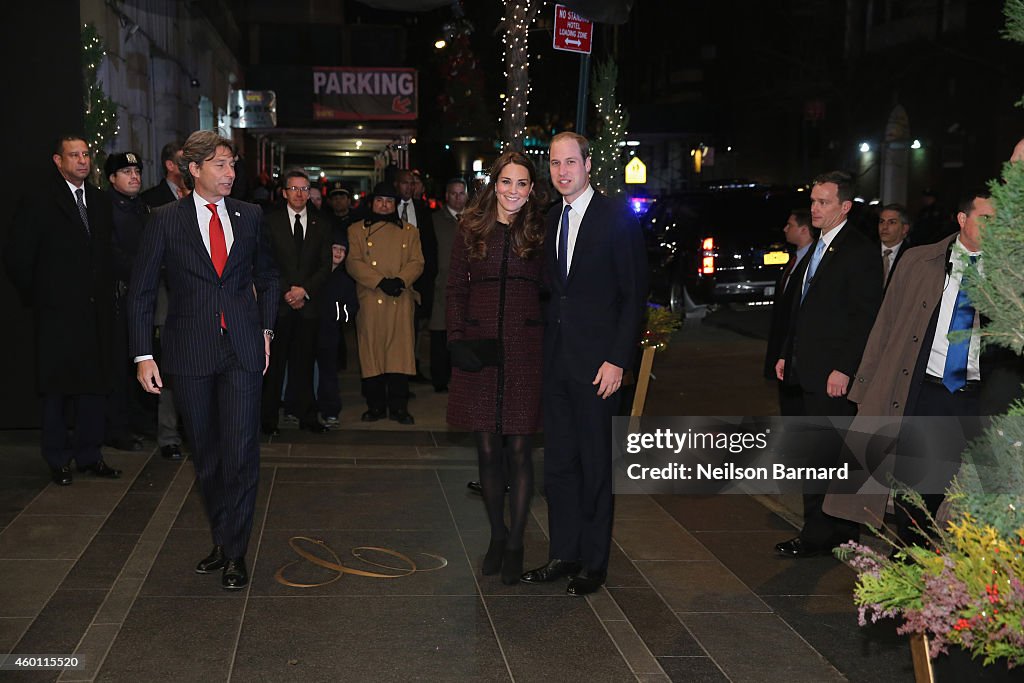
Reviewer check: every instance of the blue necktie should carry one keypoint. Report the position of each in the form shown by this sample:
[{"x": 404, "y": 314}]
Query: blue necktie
[
  {"x": 563, "y": 244},
  {"x": 954, "y": 375},
  {"x": 812, "y": 268}
]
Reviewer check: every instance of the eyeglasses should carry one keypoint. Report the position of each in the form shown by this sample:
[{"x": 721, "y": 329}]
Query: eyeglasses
[{"x": 295, "y": 188}]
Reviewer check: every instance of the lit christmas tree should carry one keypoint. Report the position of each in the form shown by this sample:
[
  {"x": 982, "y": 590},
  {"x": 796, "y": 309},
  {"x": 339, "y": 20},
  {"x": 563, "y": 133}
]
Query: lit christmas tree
[
  {"x": 605, "y": 149},
  {"x": 519, "y": 15},
  {"x": 100, "y": 111}
]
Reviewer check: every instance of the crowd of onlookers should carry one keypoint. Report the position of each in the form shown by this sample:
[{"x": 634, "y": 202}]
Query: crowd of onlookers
[{"x": 307, "y": 225}]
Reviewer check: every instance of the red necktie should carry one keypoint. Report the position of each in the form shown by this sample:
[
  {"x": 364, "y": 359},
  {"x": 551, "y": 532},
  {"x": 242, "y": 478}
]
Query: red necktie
[{"x": 218, "y": 248}]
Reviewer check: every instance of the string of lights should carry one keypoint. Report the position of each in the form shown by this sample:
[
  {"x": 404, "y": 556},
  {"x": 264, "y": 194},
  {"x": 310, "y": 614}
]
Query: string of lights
[
  {"x": 519, "y": 16},
  {"x": 606, "y": 146}
]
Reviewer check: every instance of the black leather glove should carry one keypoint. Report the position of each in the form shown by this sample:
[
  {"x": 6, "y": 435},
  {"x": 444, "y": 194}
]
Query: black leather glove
[
  {"x": 463, "y": 357},
  {"x": 392, "y": 286}
]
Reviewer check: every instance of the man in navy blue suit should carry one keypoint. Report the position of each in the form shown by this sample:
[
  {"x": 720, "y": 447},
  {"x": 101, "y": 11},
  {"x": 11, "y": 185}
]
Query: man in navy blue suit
[
  {"x": 597, "y": 272},
  {"x": 222, "y": 303}
]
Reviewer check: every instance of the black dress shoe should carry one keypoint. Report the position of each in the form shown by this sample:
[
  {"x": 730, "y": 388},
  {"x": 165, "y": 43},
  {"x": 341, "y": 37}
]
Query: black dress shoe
[
  {"x": 797, "y": 547},
  {"x": 441, "y": 390},
  {"x": 373, "y": 415},
  {"x": 512, "y": 566},
  {"x": 171, "y": 451},
  {"x": 101, "y": 469},
  {"x": 586, "y": 582},
  {"x": 552, "y": 571},
  {"x": 477, "y": 488},
  {"x": 61, "y": 476},
  {"x": 235, "y": 574},
  {"x": 402, "y": 417},
  {"x": 212, "y": 562},
  {"x": 315, "y": 427}
]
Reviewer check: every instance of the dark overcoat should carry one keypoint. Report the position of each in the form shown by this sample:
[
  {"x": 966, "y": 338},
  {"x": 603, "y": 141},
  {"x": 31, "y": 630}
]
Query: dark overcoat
[
  {"x": 65, "y": 274},
  {"x": 497, "y": 298}
]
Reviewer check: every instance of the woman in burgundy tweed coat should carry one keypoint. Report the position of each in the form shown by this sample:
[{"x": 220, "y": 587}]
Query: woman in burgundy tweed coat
[{"x": 494, "y": 286}]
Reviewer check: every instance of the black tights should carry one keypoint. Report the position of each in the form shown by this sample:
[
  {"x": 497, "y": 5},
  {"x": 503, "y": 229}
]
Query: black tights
[{"x": 499, "y": 465}]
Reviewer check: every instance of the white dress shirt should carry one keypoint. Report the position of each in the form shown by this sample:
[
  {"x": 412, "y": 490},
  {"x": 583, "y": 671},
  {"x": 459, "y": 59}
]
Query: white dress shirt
[
  {"x": 828, "y": 238},
  {"x": 579, "y": 209},
  {"x": 895, "y": 251},
  {"x": 203, "y": 215},
  {"x": 76, "y": 189},
  {"x": 411, "y": 218},
  {"x": 302, "y": 220},
  {"x": 940, "y": 343}
]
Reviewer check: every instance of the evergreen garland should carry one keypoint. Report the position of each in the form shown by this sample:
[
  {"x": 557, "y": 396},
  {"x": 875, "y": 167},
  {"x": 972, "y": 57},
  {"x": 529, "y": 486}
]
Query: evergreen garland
[
  {"x": 100, "y": 110},
  {"x": 1013, "y": 10},
  {"x": 605, "y": 148},
  {"x": 661, "y": 323}
]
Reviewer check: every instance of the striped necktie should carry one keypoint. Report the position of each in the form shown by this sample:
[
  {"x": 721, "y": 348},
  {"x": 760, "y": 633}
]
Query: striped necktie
[{"x": 80, "y": 198}]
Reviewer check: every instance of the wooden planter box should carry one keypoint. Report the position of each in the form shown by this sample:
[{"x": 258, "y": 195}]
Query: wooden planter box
[{"x": 957, "y": 667}]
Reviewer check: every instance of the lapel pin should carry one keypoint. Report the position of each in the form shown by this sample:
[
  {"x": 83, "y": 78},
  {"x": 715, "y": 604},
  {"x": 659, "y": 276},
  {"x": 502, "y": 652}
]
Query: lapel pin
[{"x": 237, "y": 214}]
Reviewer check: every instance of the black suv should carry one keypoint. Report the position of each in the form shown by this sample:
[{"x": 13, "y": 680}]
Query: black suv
[{"x": 720, "y": 245}]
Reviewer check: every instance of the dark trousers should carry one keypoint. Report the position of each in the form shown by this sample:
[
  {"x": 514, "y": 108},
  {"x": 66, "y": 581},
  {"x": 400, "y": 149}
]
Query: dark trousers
[
  {"x": 126, "y": 410},
  {"x": 167, "y": 430},
  {"x": 221, "y": 413},
  {"x": 944, "y": 441},
  {"x": 389, "y": 391},
  {"x": 578, "y": 469},
  {"x": 440, "y": 359},
  {"x": 790, "y": 399},
  {"x": 821, "y": 528},
  {"x": 328, "y": 395},
  {"x": 87, "y": 413},
  {"x": 294, "y": 347}
]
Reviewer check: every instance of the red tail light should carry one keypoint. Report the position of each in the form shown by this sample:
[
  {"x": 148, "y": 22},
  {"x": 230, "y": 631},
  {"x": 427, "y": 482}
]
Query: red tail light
[{"x": 707, "y": 265}]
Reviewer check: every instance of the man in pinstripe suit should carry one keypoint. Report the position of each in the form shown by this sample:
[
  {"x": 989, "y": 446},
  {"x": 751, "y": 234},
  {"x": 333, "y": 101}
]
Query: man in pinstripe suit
[{"x": 223, "y": 290}]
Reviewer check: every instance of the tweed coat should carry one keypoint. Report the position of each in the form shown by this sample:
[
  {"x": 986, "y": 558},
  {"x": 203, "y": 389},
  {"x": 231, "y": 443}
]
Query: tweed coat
[
  {"x": 384, "y": 326},
  {"x": 498, "y": 297},
  {"x": 66, "y": 275}
]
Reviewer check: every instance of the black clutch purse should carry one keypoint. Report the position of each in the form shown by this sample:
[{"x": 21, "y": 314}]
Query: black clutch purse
[{"x": 472, "y": 355}]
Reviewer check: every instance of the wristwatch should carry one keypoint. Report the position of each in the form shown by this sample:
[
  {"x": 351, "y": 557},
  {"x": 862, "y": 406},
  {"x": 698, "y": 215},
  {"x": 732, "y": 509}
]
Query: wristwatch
[{"x": 269, "y": 334}]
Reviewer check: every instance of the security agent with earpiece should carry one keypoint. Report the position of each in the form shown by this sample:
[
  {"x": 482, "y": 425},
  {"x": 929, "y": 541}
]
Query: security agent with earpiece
[
  {"x": 911, "y": 367},
  {"x": 385, "y": 259}
]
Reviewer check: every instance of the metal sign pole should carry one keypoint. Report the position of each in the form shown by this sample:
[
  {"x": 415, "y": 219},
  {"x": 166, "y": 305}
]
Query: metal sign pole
[{"x": 581, "y": 99}]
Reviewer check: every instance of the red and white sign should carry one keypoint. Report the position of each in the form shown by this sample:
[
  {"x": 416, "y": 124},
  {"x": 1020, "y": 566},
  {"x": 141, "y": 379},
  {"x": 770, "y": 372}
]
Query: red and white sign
[{"x": 573, "y": 33}]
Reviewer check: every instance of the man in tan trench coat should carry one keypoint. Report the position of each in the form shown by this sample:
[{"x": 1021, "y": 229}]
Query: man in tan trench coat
[
  {"x": 385, "y": 259},
  {"x": 904, "y": 366}
]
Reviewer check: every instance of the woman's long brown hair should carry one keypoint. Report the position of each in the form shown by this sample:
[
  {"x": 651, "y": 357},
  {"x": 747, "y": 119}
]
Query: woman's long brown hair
[{"x": 527, "y": 226}]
